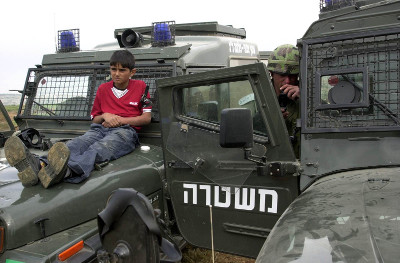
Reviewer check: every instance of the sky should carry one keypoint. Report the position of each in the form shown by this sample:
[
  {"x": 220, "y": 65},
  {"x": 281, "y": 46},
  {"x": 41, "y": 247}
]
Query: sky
[{"x": 28, "y": 28}]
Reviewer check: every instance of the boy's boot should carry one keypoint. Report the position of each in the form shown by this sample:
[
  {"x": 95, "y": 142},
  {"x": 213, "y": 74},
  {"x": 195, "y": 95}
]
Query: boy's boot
[
  {"x": 57, "y": 167},
  {"x": 19, "y": 157}
]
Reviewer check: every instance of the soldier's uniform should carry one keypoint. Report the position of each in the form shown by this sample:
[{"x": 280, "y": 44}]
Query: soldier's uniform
[{"x": 285, "y": 61}]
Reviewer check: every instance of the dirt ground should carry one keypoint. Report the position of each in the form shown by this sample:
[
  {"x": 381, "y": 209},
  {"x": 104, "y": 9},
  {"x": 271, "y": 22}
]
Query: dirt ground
[{"x": 198, "y": 255}]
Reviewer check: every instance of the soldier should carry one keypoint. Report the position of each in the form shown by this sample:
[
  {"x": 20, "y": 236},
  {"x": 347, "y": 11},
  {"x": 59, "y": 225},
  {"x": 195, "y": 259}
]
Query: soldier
[{"x": 283, "y": 64}]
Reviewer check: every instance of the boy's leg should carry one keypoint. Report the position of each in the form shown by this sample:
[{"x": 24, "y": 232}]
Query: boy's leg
[
  {"x": 56, "y": 167},
  {"x": 80, "y": 144},
  {"x": 60, "y": 153},
  {"x": 19, "y": 157},
  {"x": 118, "y": 142}
]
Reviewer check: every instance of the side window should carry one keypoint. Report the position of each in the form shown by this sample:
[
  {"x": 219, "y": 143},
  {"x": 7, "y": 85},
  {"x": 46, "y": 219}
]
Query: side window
[
  {"x": 342, "y": 89},
  {"x": 207, "y": 101}
]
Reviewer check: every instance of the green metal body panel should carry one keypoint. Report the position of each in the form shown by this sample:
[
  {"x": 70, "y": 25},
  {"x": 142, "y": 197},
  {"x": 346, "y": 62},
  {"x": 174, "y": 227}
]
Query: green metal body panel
[
  {"x": 337, "y": 152},
  {"x": 346, "y": 217},
  {"x": 67, "y": 205},
  {"x": 364, "y": 16},
  {"x": 47, "y": 249}
]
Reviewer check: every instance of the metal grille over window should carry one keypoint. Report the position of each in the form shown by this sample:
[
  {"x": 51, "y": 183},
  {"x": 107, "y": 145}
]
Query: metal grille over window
[
  {"x": 149, "y": 74},
  {"x": 62, "y": 93},
  {"x": 163, "y": 34},
  {"x": 68, "y": 40},
  {"x": 354, "y": 84},
  {"x": 69, "y": 93}
]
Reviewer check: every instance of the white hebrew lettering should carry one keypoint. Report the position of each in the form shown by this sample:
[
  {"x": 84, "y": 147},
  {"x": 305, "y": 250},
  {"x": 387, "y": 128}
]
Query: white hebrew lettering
[
  {"x": 242, "y": 204},
  {"x": 186, "y": 194},
  {"x": 245, "y": 198},
  {"x": 227, "y": 202},
  {"x": 208, "y": 193},
  {"x": 274, "y": 206}
]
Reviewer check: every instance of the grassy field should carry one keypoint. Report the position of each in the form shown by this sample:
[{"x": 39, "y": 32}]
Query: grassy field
[{"x": 12, "y": 111}]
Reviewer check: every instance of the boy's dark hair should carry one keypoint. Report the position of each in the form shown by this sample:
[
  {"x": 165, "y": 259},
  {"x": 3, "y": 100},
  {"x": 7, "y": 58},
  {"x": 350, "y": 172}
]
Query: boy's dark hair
[{"x": 123, "y": 57}]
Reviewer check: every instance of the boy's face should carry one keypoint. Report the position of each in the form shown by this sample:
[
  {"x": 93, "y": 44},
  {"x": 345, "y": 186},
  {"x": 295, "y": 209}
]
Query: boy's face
[{"x": 121, "y": 76}]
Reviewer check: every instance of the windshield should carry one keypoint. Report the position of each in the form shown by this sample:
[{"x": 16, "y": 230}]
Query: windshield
[
  {"x": 62, "y": 92},
  {"x": 201, "y": 105}
]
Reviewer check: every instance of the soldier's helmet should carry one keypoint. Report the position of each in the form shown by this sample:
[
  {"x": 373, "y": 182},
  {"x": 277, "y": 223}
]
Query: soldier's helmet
[{"x": 284, "y": 60}]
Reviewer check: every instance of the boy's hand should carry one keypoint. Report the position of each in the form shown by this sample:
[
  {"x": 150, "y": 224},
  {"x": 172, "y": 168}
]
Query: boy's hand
[{"x": 111, "y": 120}]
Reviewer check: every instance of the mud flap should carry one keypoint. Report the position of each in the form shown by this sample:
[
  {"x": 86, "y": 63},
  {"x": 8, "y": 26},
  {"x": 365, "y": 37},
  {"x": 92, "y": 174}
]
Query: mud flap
[{"x": 129, "y": 231}]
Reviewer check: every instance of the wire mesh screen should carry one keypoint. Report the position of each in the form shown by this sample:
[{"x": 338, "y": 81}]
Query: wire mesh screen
[
  {"x": 149, "y": 74},
  {"x": 62, "y": 93},
  {"x": 353, "y": 84},
  {"x": 68, "y": 40},
  {"x": 330, "y": 5},
  {"x": 163, "y": 34},
  {"x": 69, "y": 93}
]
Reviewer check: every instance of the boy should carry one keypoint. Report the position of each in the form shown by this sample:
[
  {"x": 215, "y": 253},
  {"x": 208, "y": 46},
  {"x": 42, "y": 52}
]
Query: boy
[{"x": 117, "y": 114}]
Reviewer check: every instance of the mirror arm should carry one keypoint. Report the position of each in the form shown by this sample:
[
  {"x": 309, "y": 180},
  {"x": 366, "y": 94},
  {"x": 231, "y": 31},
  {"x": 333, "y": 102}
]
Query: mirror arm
[{"x": 259, "y": 160}]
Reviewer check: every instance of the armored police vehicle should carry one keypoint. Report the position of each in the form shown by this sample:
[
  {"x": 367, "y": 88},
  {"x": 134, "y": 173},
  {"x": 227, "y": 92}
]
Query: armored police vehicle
[
  {"x": 60, "y": 223},
  {"x": 219, "y": 183},
  {"x": 241, "y": 190}
]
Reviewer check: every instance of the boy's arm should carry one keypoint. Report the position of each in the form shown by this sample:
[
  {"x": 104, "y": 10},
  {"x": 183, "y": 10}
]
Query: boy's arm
[
  {"x": 141, "y": 120},
  {"x": 110, "y": 120}
]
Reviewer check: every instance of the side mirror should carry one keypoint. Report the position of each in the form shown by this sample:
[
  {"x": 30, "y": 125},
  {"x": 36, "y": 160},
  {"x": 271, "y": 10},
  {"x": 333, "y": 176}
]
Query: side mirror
[{"x": 236, "y": 130}]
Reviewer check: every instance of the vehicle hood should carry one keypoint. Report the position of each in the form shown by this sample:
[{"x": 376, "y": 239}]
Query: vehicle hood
[
  {"x": 66, "y": 205},
  {"x": 346, "y": 217}
]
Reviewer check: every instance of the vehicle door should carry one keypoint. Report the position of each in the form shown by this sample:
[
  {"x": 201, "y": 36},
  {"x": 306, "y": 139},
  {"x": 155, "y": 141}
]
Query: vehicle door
[{"x": 219, "y": 198}]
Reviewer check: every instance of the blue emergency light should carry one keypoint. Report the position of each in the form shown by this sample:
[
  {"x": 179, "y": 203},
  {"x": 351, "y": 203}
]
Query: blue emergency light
[
  {"x": 330, "y": 5},
  {"x": 163, "y": 33},
  {"x": 68, "y": 40}
]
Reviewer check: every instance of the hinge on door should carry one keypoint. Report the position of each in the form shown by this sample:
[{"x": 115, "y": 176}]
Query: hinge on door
[
  {"x": 179, "y": 164},
  {"x": 280, "y": 169}
]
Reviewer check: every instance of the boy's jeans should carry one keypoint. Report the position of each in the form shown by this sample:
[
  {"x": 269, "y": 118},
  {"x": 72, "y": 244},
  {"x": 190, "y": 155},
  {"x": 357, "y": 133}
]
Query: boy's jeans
[{"x": 99, "y": 144}]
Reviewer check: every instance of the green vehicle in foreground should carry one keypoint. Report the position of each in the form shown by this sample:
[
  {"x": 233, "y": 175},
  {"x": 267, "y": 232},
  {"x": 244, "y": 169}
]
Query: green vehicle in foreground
[
  {"x": 39, "y": 225},
  {"x": 220, "y": 184}
]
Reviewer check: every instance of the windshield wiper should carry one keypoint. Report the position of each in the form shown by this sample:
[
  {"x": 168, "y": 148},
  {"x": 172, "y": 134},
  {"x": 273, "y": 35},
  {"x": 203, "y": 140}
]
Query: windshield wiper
[
  {"x": 47, "y": 110},
  {"x": 388, "y": 112}
]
